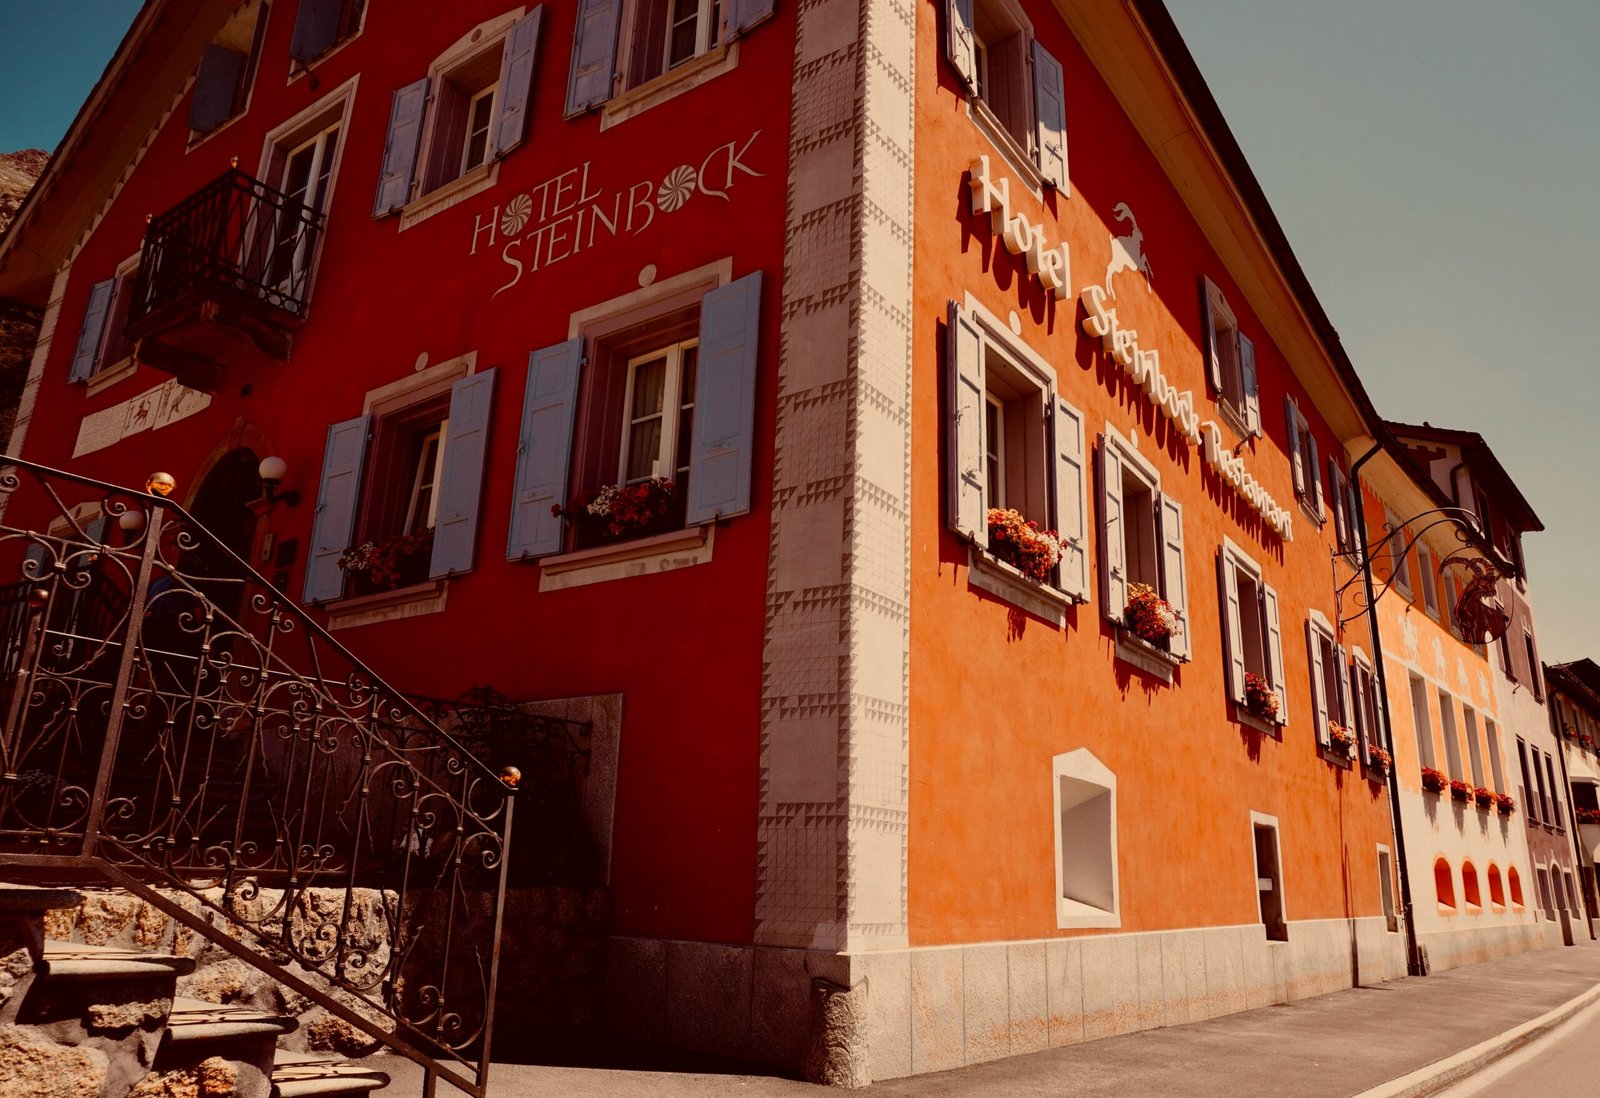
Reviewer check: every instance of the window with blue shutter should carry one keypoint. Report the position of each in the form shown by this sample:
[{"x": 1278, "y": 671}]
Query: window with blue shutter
[
  {"x": 744, "y": 14},
  {"x": 1050, "y": 113},
  {"x": 1252, "y": 389},
  {"x": 455, "y": 533},
  {"x": 517, "y": 68},
  {"x": 544, "y": 450},
  {"x": 960, "y": 42},
  {"x": 87, "y": 354},
  {"x": 400, "y": 150},
  {"x": 334, "y": 526},
  {"x": 725, "y": 402},
  {"x": 594, "y": 54},
  {"x": 1113, "y": 535},
  {"x": 216, "y": 87},
  {"x": 1174, "y": 581},
  {"x": 1071, "y": 519},
  {"x": 967, "y": 499},
  {"x": 317, "y": 27}
]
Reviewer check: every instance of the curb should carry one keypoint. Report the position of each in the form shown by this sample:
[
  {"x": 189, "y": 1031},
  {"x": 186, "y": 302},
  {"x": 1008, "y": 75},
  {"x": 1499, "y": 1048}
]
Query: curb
[{"x": 1441, "y": 1073}]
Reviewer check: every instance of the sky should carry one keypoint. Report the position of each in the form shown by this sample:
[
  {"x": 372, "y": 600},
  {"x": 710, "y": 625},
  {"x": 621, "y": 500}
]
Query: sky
[{"x": 1434, "y": 163}]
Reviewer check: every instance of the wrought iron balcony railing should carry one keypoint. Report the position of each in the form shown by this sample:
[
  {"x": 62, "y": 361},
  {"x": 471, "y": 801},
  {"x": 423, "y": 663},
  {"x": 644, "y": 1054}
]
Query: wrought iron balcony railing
[
  {"x": 175, "y": 726},
  {"x": 236, "y": 233}
]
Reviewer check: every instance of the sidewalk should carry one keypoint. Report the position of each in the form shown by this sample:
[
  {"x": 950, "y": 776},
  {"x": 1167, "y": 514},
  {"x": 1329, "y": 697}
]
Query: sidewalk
[{"x": 1330, "y": 1047}]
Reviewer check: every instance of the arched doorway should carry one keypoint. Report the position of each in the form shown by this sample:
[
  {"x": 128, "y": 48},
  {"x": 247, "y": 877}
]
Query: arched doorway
[{"x": 222, "y": 506}]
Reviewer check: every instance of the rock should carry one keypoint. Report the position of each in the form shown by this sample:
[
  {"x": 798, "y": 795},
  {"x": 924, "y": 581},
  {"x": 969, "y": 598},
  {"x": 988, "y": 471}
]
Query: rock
[
  {"x": 836, "y": 1054},
  {"x": 330, "y": 1033},
  {"x": 105, "y": 915},
  {"x": 213, "y": 1078},
  {"x": 127, "y": 1015},
  {"x": 33, "y": 1066}
]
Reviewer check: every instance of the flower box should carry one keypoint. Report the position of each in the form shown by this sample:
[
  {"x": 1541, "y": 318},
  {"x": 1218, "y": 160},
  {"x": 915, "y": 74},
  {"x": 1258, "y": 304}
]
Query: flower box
[
  {"x": 386, "y": 564},
  {"x": 1589, "y": 815},
  {"x": 1483, "y": 796},
  {"x": 1379, "y": 760},
  {"x": 1023, "y": 544},
  {"x": 1506, "y": 803},
  {"x": 1460, "y": 790},
  {"x": 622, "y": 512},
  {"x": 1341, "y": 740},
  {"x": 1260, "y": 699},
  {"x": 1433, "y": 780},
  {"x": 1149, "y": 616}
]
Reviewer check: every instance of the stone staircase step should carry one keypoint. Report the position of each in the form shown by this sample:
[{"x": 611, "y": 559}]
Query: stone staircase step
[
  {"x": 193, "y": 1021},
  {"x": 79, "y": 961},
  {"x": 236, "y": 1044},
  {"x": 20, "y": 899},
  {"x": 309, "y": 1075}
]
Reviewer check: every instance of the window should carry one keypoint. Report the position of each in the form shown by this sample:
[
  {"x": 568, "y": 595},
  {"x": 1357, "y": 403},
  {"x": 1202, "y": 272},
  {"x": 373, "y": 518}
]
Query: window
[
  {"x": 1514, "y": 882},
  {"x": 228, "y": 69},
  {"x": 1330, "y": 681},
  {"x": 320, "y": 25},
  {"x": 1304, "y": 460},
  {"x": 1086, "y": 841},
  {"x": 406, "y": 476},
  {"x": 1469, "y": 885},
  {"x": 1364, "y": 704},
  {"x": 621, "y": 45},
  {"x": 1504, "y": 645},
  {"x": 1398, "y": 566},
  {"x": 1269, "y": 877},
  {"x": 1013, "y": 444},
  {"x": 1345, "y": 501},
  {"x": 1141, "y": 537},
  {"x": 1420, "y": 722},
  {"x": 1546, "y": 900},
  {"x": 1391, "y": 915},
  {"x": 1430, "y": 591},
  {"x": 1452, "y": 741},
  {"x": 1444, "y": 886},
  {"x": 1533, "y": 665},
  {"x": 1252, "y": 634},
  {"x": 102, "y": 344},
  {"x": 1230, "y": 362},
  {"x": 1555, "y": 816},
  {"x": 1015, "y": 86},
  {"x": 470, "y": 110},
  {"x": 1469, "y": 719},
  {"x": 304, "y": 173},
  {"x": 1572, "y": 893},
  {"x": 1497, "y": 888},
  {"x": 1545, "y": 814},
  {"x": 1528, "y": 792},
  {"x": 659, "y": 384}
]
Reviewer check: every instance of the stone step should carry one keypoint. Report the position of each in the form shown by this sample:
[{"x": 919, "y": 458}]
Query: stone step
[
  {"x": 80, "y": 961},
  {"x": 233, "y": 1045},
  {"x": 194, "y": 1021},
  {"x": 310, "y": 1075},
  {"x": 16, "y": 899}
]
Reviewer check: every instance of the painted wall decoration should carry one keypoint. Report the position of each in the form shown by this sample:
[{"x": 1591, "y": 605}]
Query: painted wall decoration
[{"x": 151, "y": 410}]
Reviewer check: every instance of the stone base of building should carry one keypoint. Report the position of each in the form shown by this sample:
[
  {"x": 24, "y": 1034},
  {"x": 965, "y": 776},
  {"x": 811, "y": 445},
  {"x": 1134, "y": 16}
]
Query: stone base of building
[
  {"x": 1469, "y": 946},
  {"x": 859, "y": 1018}
]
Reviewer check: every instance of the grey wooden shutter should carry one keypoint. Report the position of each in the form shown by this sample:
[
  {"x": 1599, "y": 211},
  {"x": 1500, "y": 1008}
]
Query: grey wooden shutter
[
  {"x": 1319, "y": 679},
  {"x": 455, "y": 533},
  {"x": 744, "y": 14},
  {"x": 1050, "y": 110},
  {"x": 1113, "y": 535},
  {"x": 335, "y": 522},
  {"x": 959, "y": 42},
  {"x": 1291, "y": 417},
  {"x": 1232, "y": 627},
  {"x": 594, "y": 54},
  {"x": 1252, "y": 391},
  {"x": 1342, "y": 668},
  {"x": 1341, "y": 520},
  {"x": 1174, "y": 584},
  {"x": 216, "y": 86},
  {"x": 1071, "y": 520},
  {"x": 87, "y": 354},
  {"x": 316, "y": 28},
  {"x": 1314, "y": 471},
  {"x": 400, "y": 151},
  {"x": 544, "y": 450},
  {"x": 968, "y": 486},
  {"x": 1208, "y": 316},
  {"x": 1269, "y": 608},
  {"x": 517, "y": 69},
  {"x": 723, "y": 446}
]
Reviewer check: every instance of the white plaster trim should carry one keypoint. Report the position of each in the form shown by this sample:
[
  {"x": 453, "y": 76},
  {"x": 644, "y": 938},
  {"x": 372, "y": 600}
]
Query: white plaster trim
[
  {"x": 420, "y": 385},
  {"x": 1012, "y": 343},
  {"x": 104, "y": 379},
  {"x": 669, "y": 85},
  {"x": 1260, "y": 724},
  {"x": 48, "y": 321},
  {"x": 988, "y": 573},
  {"x": 453, "y": 193},
  {"x": 1128, "y": 446},
  {"x": 1320, "y": 620},
  {"x": 1277, "y": 849},
  {"x": 1018, "y": 159},
  {"x": 641, "y": 557},
  {"x": 407, "y": 602},
  {"x": 1144, "y": 655},
  {"x": 1081, "y": 765},
  {"x": 589, "y": 321}
]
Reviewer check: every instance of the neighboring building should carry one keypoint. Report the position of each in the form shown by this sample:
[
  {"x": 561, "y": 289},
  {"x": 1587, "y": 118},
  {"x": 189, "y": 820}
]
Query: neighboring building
[
  {"x": 1574, "y": 702},
  {"x": 1463, "y": 467},
  {"x": 823, "y": 266}
]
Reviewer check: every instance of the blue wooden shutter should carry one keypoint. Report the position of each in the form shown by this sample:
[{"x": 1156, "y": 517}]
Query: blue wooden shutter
[
  {"x": 1232, "y": 627},
  {"x": 1071, "y": 520},
  {"x": 316, "y": 28},
  {"x": 1174, "y": 583},
  {"x": 725, "y": 402},
  {"x": 744, "y": 14},
  {"x": 968, "y": 485},
  {"x": 335, "y": 521},
  {"x": 1269, "y": 606},
  {"x": 516, "y": 81},
  {"x": 216, "y": 86},
  {"x": 400, "y": 151},
  {"x": 455, "y": 530},
  {"x": 1050, "y": 109},
  {"x": 594, "y": 54},
  {"x": 1113, "y": 535},
  {"x": 545, "y": 449},
  {"x": 959, "y": 45},
  {"x": 87, "y": 354},
  {"x": 1252, "y": 389}
]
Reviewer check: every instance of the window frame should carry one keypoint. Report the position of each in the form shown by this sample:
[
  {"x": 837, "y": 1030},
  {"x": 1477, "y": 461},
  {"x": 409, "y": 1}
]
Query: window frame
[
  {"x": 1084, "y": 769},
  {"x": 244, "y": 88},
  {"x": 468, "y": 52},
  {"x": 356, "y": 24},
  {"x": 1430, "y": 587},
  {"x": 1226, "y": 361},
  {"x": 1232, "y": 561},
  {"x": 107, "y": 370},
  {"x": 1386, "y": 890},
  {"x": 1330, "y": 681},
  {"x": 1365, "y": 711},
  {"x": 1165, "y": 510},
  {"x": 1305, "y": 462},
  {"x": 672, "y": 407},
  {"x": 1261, "y": 822},
  {"x": 1422, "y": 721},
  {"x": 1399, "y": 566}
]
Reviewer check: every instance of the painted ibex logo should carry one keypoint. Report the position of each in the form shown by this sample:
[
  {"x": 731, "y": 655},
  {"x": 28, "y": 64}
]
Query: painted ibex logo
[{"x": 1127, "y": 252}]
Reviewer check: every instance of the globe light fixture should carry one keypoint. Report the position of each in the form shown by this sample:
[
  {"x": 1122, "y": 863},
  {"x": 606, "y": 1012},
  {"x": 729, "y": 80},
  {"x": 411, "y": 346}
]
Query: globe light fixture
[
  {"x": 131, "y": 521},
  {"x": 272, "y": 470},
  {"x": 160, "y": 484}
]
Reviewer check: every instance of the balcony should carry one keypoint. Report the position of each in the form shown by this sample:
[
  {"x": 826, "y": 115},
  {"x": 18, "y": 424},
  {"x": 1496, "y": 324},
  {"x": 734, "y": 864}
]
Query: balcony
[{"x": 223, "y": 281}]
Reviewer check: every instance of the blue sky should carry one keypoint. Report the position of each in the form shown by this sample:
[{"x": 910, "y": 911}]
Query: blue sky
[{"x": 1433, "y": 161}]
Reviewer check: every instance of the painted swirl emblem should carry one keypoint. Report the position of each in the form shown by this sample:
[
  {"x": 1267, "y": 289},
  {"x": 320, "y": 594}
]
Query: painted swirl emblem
[
  {"x": 676, "y": 188},
  {"x": 518, "y": 210}
]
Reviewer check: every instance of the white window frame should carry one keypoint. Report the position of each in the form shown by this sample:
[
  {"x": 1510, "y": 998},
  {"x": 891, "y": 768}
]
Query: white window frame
[
  {"x": 491, "y": 95},
  {"x": 994, "y": 450},
  {"x": 108, "y": 372},
  {"x": 1174, "y": 589},
  {"x": 1469, "y": 727},
  {"x": 1491, "y": 735},
  {"x": 1449, "y": 731},
  {"x": 1305, "y": 462},
  {"x": 1007, "y": 142},
  {"x": 1227, "y": 373},
  {"x": 1086, "y": 771},
  {"x": 438, "y": 435},
  {"x": 671, "y": 408},
  {"x": 317, "y": 143},
  {"x": 1329, "y": 679},
  {"x": 252, "y": 67},
  {"x": 470, "y": 49},
  {"x": 1430, "y": 588},
  {"x": 1234, "y": 558},
  {"x": 1364, "y": 706},
  {"x": 1260, "y": 820},
  {"x": 1400, "y": 569},
  {"x": 708, "y": 33},
  {"x": 1421, "y": 720}
]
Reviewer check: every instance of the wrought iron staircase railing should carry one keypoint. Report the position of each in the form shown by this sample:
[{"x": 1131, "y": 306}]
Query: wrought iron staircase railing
[{"x": 175, "y": 726}]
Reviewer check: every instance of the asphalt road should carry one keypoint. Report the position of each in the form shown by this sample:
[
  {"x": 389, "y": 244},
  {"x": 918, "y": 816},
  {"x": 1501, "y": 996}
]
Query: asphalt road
[{"x": 1566, "y": 1061}]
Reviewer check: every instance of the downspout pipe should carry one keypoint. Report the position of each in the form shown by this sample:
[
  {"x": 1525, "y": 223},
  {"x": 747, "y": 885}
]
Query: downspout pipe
[{"x": 1416, "y": 964}]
